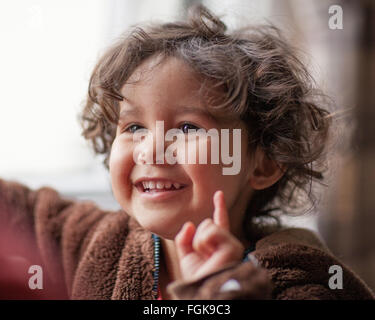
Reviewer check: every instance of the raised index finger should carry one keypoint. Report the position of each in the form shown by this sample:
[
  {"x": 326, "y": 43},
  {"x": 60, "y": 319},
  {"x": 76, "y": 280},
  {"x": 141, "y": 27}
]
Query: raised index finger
[{"x": 220, "y": 214}]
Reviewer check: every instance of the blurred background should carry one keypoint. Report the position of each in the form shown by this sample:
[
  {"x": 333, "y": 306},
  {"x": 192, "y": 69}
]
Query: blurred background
[{"x": 48, "y": 49}]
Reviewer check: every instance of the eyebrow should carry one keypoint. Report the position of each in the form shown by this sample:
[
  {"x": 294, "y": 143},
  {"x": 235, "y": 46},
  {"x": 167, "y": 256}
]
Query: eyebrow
[
  {"x": 127, "y": 112},
  {"x": 133, "y": 110},
  {"x": 191, "y": 109}
]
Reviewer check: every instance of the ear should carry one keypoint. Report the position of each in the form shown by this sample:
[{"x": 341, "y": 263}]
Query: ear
[{"x": 265, "y": 172}]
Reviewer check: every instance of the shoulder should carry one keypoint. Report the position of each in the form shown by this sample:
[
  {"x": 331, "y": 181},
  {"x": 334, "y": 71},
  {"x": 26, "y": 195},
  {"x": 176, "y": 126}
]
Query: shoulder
[
  {"x": 298, "y": 263},
  {"x": 292, "y": 236}
]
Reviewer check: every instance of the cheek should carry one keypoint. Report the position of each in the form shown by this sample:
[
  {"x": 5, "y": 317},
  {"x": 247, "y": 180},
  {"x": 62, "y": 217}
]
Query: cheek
[
  {"x": 120, "y": 165},
  {"x": 206, "y": 171},
  {"x": 208, "y": 178}
]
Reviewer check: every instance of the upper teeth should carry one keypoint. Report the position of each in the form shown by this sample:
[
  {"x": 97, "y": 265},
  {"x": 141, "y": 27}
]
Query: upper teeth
[{"x": 160, "y": 185}]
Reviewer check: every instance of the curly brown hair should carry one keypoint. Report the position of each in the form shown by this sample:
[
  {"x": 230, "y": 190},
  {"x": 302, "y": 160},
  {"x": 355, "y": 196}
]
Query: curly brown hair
[{"x": 264, "y": 84}]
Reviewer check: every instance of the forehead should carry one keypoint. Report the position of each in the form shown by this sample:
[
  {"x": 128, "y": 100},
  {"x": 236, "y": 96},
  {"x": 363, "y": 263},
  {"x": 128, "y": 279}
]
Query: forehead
[
  {"x": 171, "y": 84},
  {"x": 163, "y": 78}
]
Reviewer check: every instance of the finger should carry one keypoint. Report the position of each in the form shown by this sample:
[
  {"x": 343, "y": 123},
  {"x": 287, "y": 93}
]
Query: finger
[
  {"x": 220, "y": 213},
  {"x": 184, "y": 240},
  {"x": 213, "y": 239},
  {"x": 200, "y": 243}
]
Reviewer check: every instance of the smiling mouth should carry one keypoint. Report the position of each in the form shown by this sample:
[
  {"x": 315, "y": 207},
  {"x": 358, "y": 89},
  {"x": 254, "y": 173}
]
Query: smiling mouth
[{"x": 158, "y": 186}]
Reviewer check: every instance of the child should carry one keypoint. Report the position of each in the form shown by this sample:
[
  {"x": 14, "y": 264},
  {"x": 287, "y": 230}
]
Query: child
[{"x": 188, "y": 231}]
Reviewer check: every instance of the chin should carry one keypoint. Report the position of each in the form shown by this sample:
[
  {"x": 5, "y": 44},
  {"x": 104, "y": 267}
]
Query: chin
[{"x": 166, "y": 231}]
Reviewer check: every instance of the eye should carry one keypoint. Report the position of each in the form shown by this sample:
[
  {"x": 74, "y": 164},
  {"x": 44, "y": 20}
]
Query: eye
[
  {"x": 188, "y": 126},
  {"x": 133, "y": 128}
]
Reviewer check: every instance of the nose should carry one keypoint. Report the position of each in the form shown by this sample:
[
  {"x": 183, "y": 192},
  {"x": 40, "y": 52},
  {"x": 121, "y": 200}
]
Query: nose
[
  {"x": 143, "y": 153},
  {"x": 151, "y": 147}
]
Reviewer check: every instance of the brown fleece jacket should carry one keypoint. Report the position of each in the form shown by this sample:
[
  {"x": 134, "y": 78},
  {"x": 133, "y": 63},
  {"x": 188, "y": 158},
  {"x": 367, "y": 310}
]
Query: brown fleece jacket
[{"x": 88, "y": 253}]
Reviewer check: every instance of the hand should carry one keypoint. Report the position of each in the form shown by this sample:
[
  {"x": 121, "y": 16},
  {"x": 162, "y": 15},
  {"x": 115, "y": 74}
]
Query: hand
[{"x": 211, "y": 246}]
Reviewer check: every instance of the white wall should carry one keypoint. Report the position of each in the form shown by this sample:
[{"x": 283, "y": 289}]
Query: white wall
[{"x": 48, "y": 49}]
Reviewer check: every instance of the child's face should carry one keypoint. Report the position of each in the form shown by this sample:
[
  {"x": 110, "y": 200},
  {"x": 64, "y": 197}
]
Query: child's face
[{"x": 163, "y": 93}]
